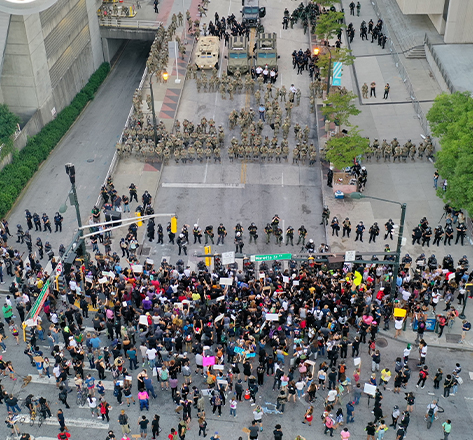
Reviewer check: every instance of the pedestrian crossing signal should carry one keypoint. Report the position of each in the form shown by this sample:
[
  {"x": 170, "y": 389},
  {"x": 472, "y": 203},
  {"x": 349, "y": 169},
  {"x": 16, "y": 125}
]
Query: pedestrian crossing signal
[{"x": 174, "y": 225}]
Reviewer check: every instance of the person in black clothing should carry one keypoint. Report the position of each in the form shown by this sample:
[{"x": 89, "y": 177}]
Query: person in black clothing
[
  {"x": 63, "y": 396},
  {"x": 355, "y": 347},
  {"x": 239, "y": 390},
  {"x": 277, "y": 432},
  {"x": 155, "y": 426}
]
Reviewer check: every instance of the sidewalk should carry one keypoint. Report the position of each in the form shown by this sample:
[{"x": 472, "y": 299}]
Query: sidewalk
[{"x": 409, "y": 182}]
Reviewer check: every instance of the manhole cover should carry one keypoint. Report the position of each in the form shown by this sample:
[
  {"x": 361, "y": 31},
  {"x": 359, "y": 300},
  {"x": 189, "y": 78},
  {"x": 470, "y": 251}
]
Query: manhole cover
[
  {"x": 381, "y": 342},
  {"x": 90, "y": 160},
  {"x": 453, "y": 338},
  {"x": 146, "y": 251}
]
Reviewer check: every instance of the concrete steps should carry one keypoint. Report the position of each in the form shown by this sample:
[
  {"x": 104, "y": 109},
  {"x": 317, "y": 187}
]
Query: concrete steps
[{"x": 417, "y": 52}]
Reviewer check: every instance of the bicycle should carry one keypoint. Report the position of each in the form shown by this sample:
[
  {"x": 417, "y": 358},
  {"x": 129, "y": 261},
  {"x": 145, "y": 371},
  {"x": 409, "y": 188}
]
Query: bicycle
[
  {"x": 82, "y": 396},
  {"x": 432, "y": 416}
]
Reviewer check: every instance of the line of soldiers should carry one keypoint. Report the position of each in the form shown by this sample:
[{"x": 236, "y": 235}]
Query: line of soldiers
[{"x": 397, "y": 152}]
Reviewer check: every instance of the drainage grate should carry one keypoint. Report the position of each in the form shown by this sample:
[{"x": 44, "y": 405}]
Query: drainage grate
[
  {"x": 381, "y": 342},
  {"x": 146, "y": 251},
  {"x": 452, "y": 338}
]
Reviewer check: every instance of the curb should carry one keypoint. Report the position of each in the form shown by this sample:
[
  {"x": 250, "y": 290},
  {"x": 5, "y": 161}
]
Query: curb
[{"x": 449, "y": 346}]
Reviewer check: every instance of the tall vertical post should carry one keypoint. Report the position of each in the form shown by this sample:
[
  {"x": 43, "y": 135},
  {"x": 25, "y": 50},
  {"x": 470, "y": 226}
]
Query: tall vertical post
[
  {"x": 398, "y": 250},
  {"x": 329, "y": 68},
  {"x": 71, "y": 172}
]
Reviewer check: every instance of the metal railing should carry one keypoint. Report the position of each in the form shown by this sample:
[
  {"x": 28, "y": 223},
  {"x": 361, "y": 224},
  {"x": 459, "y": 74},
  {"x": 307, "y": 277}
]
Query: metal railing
[
  {"x": 403, "y": 73},
  {"x": 129, "y": 23},
  {"x": 439, "y": 64}
]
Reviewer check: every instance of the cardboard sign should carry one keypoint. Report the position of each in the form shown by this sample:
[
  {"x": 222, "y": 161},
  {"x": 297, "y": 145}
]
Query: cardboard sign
[
  {"x": 137, "y": 268},
  {"x": 219, "y": 317},
  {"x": 357, "y": 361},
  {"x": 238, "y": 350},
  {"x": 103, "y": 280},
  {"x": 124, "y": 304},
  {"x": 220, "y": 298},
  {"x": 250, "y": 355},
  {"x": 400, "y": 313},
  {"x": 143, "y": 320},
  {"x": 226, "y": 281},
  {"x": 262, "y": 275},
  {"x": 295, "y": 283},
  {"x": 370, "y": 389},
  {"x": 272, "y": 317},
  {"x": 222, "y": 381},
  {"x": 285, "y": 279},
  {"x": 218, "y": 367},
  {"x": 208, "y": 361}
]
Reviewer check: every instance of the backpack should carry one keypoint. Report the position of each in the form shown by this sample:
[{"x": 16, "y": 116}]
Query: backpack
[
  {"x": 328, "y": 422},
  {"x": 217, "y": 401}
]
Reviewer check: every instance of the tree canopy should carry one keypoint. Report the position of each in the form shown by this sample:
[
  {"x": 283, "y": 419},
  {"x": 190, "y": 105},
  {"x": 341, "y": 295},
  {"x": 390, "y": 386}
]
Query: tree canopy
[
  {"x": 329, "y": 24},
  {"x": 341, "y": 149},
  {"x": 8, "y": 121},
  {"x": 451, "y": 121},
  {"x": 338, "y": 107}
]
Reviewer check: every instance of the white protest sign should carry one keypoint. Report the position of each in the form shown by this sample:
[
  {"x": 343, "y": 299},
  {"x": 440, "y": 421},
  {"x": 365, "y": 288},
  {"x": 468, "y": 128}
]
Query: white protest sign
[
  {"x": 226, "y": 281},
  {"x": 272, "y": 317},
  {"x": 228, "y": 258}
]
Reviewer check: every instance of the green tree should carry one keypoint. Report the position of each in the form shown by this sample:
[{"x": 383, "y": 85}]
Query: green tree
[
  {"x": 339, "y": 107},
  {"x": 325, "y": 3},
  {"x": 341, "y": 149},
  {"x": 342, "y": 55},
  {"x": 329, "y": 24},
  {"x": 451, "y": 121},
  {"x": 8, "y": 121}
]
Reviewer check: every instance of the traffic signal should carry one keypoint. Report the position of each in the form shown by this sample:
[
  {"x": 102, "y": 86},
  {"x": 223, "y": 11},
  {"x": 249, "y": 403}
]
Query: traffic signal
[
  {"x": 208, "y": 260},
  {"x": 174, "y": 225}
]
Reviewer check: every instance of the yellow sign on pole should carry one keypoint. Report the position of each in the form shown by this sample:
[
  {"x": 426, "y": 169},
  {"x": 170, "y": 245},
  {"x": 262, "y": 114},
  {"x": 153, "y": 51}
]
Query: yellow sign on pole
[
  {"x": 208, "y": 260},
  {"x": 139, "y": 222}
]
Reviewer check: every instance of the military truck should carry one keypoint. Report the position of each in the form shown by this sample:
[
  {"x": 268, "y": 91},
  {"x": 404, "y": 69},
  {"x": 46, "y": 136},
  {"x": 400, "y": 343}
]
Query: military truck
[
  {"x": 266, "y": 52},
  {"x": 238, "y": 55},
  {"x": 207, "y": 52},
  {"x": 252, "y": 13}
]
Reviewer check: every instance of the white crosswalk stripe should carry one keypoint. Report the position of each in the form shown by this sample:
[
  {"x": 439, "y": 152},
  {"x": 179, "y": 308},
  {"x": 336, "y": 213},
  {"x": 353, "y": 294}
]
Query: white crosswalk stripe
[
  {"x": 74, "y": 422},
  {"x": 107, "y": 384}
]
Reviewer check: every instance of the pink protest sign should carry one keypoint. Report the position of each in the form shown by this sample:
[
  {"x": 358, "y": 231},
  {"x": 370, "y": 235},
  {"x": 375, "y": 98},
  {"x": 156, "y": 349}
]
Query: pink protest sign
[{"x": 208, "y": 361}]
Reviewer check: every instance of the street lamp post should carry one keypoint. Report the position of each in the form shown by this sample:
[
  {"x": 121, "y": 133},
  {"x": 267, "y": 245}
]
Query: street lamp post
[
  {"x": 358, "y": 195},
  {"x": 71, "y": 172},
  {"x": 329, "y": 68}
]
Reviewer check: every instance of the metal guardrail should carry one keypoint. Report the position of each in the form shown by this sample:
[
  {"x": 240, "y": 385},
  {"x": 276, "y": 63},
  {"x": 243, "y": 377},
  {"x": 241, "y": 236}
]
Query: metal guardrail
[
  {"x": 127, "y": 23},
  {"x": 439, "y": 64},
  {"x": 403, "y": 73}
]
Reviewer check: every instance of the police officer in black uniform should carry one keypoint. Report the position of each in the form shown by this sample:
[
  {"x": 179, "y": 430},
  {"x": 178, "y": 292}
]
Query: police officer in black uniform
[
  {"x": 268, "y": 230},
  {"x": 346, "y": 227},
  {"x": 278, "y": 235},
  {"x": 389, "y": 227},
  {"x": 46, "y": 223},
  {"x": 159, "y": 231},
  {"x": 302, "y": 235},
  {"x": 438, "y": 234},
  {"x": 275, "y": 222},
  {"x": 253, "y": 230},
  {"x": 222, "y": 233},
  {"x": 37, "y": 222},
  {"x": 374, "y": 232},
  {"x": 197, "y": 232},
  {"x": 290, "y": 235},
  {"x": 360, "y": 228},
  {"x": 58, "y": 218},
  {"x": 171, "y": 234},
  {"x": 416, "y": 235},
  {"x": 133, "y": 192},
  {"x": 29, "y": 219},
  {"x": 426, "y": 235},
  {"x": 461, "y": 232},
  {"x": 39, "y": 245},
  {"x": 209, "y": 234}
]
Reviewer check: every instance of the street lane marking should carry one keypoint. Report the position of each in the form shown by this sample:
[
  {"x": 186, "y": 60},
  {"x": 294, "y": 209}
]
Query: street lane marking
[
  {"x": 74, "y": 422},
  {"x": 203, "y": 185}
]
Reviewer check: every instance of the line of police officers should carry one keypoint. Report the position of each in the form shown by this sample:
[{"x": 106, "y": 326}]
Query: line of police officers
[{"x": 271, "y": 229}]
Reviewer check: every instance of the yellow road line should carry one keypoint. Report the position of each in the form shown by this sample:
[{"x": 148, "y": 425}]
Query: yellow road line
[{"x": 243, "y": 172}]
